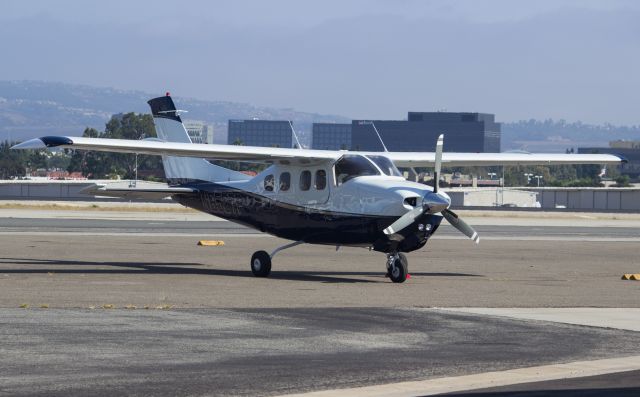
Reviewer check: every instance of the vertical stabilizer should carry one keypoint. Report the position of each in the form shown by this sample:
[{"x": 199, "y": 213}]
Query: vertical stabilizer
[{"x": 169, "y": 128}]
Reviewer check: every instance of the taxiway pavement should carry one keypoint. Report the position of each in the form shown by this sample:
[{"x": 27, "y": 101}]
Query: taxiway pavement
[{"x": 324, "y": 320}]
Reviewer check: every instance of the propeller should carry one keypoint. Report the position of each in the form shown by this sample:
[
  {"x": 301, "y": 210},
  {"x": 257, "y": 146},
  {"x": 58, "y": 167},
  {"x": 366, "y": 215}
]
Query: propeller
[
  {"x": 461, "y": 225},
  {"x": 432, "y": 203},
  {"x": 438, "y": 164}
]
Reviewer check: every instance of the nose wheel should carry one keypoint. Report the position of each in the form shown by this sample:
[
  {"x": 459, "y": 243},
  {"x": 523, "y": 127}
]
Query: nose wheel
[{"x": 397, "y": 267}]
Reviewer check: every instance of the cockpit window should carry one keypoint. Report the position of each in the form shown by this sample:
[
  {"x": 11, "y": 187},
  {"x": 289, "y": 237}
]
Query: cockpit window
[
  {"x": 386, "y": 165},
  {"x": 351, "y": 166}
]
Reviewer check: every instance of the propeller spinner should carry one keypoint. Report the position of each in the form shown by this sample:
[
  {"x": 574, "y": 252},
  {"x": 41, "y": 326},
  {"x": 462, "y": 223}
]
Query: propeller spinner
[{"x": 434, "y": 202}]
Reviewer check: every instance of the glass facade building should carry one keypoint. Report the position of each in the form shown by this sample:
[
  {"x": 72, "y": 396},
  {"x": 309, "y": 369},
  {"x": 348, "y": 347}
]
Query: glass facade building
[
  {"x": 464, "y": 132},
  {"x": 632, "y": 155},
  {"x": 267, "y": 133},
  {"x": 331, "y": 136}
]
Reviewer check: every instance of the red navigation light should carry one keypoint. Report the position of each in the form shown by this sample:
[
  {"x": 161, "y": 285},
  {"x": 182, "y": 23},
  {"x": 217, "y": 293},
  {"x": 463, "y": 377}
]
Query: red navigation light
[{"x": 168, "y": 94}]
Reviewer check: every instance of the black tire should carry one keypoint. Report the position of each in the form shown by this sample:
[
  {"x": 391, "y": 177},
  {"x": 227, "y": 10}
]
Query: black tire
[
  {"x": 398, "y": 273},
  {"x": 260, "y": 264}
]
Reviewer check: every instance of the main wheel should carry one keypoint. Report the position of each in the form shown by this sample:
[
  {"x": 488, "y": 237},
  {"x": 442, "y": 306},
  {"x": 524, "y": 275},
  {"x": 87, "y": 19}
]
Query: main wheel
[
  {"x": 261, "y": 264},
  {"x": 399, "y": 269}
]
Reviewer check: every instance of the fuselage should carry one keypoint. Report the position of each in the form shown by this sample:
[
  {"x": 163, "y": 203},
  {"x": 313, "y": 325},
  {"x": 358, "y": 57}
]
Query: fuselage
[{"x": 324, "y": 203}]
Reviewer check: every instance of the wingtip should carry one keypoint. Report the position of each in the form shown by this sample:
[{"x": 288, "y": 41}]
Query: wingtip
[{"x": 35, "y": 143}]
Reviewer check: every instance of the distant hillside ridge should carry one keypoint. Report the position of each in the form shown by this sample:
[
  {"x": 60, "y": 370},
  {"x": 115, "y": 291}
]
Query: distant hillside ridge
[
  {"x": 557, "y": 135},
  {"x": 31, "y": 109}
]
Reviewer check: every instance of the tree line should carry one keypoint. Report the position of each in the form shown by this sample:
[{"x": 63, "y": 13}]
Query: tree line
[{"x": 93, "y": 165}]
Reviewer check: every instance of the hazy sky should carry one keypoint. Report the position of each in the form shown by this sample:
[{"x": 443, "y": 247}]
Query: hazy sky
[{"x": 577, "y": 60}]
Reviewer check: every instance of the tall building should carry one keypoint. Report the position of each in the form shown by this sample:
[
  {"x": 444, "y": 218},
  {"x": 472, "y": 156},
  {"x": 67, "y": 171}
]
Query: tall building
[
  {"x": 199, "y": 131},
  {"x": 464, "y": 132},
  {"x": 268, "y": 133},
  {"x": 331, "y": 136}
]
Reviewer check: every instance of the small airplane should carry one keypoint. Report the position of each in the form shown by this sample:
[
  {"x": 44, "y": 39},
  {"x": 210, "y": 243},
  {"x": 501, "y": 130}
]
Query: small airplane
[{"x": 338, "y": 198}]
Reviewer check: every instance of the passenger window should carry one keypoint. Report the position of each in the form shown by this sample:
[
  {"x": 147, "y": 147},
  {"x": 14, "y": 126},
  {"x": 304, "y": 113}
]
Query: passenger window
[
  {"x": 305, "y": 180},
  {"x": 321, "y": 179},
  {"x": 269, "y": 182},
  {"x": 285, "y": 181}
]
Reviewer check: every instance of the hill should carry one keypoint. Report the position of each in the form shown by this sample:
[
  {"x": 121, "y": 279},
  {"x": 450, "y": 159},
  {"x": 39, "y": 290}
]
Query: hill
[{"x": 34, "y": 108}]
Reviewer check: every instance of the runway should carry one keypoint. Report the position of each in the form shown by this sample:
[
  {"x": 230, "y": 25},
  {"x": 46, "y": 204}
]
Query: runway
[{"x": 325, "y": 320}]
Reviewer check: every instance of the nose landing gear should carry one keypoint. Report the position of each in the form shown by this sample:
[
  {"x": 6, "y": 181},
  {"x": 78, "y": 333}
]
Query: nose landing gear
[{"x": 397, "y": 267}]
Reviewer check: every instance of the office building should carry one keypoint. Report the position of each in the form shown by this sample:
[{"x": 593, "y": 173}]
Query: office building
[
  {"x": 630, "y": 150},
  {"x": 464, "y": 132},
  {"x": 268, "y": 133},
  {"x": 199, "y": 131},
  {"x": 331, "y": 136}
]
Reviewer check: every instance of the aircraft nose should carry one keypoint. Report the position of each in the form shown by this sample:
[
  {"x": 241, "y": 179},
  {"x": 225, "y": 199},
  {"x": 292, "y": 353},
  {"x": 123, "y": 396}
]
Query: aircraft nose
[{"x": 436, "y": 202}]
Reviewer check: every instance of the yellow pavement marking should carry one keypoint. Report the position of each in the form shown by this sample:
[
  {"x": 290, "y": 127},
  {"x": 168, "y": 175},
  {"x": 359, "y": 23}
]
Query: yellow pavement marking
[{"x": 211, "y": 243}]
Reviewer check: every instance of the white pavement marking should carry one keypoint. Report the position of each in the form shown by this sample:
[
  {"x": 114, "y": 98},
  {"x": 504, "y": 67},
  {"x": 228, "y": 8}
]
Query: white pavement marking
[
  {"x": 253, "y": 233},
  {"x": 116, "y": 234},
  {"x": 618, "y": 318},
  {"x": 590, "y": 239},
  {"x": 488, "y": 379}
]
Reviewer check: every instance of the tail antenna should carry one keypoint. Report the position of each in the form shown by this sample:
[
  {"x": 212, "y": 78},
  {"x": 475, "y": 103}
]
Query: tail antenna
[{"x": 379, "y": 137}]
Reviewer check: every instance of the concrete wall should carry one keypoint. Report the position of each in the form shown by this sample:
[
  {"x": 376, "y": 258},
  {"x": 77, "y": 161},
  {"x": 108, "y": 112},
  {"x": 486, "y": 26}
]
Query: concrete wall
[
  {"x": 491, "y": 197},
  {"x": 621, "y": 199},
  {"x": 51, "y": 190}
]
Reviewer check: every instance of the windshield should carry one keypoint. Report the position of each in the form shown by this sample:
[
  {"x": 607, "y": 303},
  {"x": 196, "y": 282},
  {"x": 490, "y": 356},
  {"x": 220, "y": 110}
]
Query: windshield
[
  {"x": 351, "y": 166},
  {"x": 386, "y": 165}
]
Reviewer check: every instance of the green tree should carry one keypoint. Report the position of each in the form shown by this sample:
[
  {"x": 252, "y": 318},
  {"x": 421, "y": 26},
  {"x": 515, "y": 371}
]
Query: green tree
[
  {"x": 12, "y": 162},
  {"x": 98, "y": 165}
]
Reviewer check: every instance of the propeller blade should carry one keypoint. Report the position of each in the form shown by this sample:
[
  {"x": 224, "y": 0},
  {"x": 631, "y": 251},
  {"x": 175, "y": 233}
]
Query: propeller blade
[
  {"x": 404, "y": 221},
  {"x": 461, "y": 225},
  {"x": 438, "y": 164}
]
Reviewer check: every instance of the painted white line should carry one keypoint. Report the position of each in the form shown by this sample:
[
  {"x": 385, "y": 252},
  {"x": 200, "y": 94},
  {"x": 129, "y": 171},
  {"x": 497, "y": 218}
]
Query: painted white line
[
  {"x": 256, "y": 234},
  {"x": 618, "y": 318},
  {"x": 589, "y": 239},
  {"x": 127, "y": 234},
  {"x": 488, "y": 379}
]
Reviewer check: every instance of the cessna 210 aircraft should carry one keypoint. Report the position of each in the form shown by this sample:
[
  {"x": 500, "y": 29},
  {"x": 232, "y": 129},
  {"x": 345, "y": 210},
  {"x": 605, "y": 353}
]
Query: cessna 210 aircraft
[{"x": 338, "y": 198}]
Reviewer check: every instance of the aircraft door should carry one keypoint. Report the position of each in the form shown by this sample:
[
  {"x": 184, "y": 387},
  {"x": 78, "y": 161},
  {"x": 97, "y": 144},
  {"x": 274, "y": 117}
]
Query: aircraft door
[{"x": 313, "y": 186}]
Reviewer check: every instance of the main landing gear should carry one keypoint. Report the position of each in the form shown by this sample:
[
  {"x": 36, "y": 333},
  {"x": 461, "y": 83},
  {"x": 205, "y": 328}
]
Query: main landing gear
[
  {"x": 261, "y": 260},
  {"x": 397, "y": 263},
  {"x": 397, "y": 267}
]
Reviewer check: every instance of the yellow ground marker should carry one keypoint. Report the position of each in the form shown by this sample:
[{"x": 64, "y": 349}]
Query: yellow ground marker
[
  {"x": 108, "y": 306},
  {"x": 211, "y": 243},
  {"x": 631, "y": 276},
  {"x": 24, "y": 306}
]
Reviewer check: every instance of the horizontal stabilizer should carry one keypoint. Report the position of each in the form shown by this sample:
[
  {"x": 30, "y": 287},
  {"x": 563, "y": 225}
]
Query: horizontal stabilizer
[{"x": 148, "y": 193}]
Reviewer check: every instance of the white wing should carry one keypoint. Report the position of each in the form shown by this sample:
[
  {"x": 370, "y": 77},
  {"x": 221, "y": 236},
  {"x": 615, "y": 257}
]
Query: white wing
[
  {"x": 218, "y": 152},
  {"x": 269, "y": 154},
  {"x": 451, "y": 159}
]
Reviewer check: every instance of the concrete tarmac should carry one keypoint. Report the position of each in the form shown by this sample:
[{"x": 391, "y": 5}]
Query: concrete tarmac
[
  {"x": 323, "y": 320},
  {"x": 92, "y": 266},
  {"x": 272, "y": 351}
]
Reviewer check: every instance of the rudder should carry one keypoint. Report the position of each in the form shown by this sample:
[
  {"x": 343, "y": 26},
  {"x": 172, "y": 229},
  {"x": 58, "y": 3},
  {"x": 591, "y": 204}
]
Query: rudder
[{"x": 177, "y": 170}]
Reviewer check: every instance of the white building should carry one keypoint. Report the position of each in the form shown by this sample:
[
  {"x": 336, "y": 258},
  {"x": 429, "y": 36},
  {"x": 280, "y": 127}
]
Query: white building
[{"x": 199, "y": 131}]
